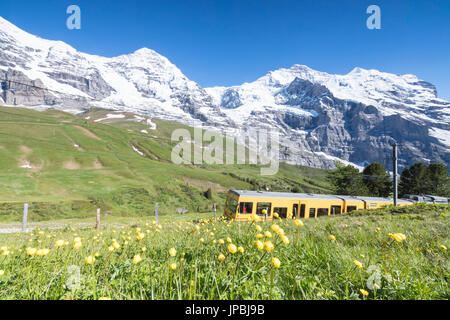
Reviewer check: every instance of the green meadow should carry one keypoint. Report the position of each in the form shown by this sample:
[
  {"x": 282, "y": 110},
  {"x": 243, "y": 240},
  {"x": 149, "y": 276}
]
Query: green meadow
[
  {"x": 353, "y": 256},
  {"x": 66, "y": 166}
]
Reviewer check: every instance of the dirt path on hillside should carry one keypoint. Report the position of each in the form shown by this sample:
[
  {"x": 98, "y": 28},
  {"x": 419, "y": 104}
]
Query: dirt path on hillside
[
  {"x": 88, "y": 133},
  {"x": 17, "y": 227}
]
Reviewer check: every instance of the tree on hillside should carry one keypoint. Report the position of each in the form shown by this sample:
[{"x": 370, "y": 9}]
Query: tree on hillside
[
  {"x": 414, "y": 181},
  {"x": 347, "y": 180},
  {"x": 438, "y": 180},
  {"x": 377, "y": 180},
  {"x": 405, "y": 182},
  {"x": 420, "y": 179},
  {"x": 208, "y": 194}
]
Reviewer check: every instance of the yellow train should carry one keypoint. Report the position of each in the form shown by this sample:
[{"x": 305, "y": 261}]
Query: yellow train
[{"x": 241, "y": 204}]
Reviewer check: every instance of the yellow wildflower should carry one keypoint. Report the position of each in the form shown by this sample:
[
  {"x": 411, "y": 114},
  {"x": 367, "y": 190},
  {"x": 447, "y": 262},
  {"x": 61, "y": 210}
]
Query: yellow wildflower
[
  {"x": 358, "y": 264},
  {"x": 221, "y": 257},
  {"x": 259, "y": 244},
  {"x": 268, "y": 234},
  {"x": 90, "y": 259},
  {"x": 173, "y": 252},
  {"x": 364, "y": 292},
  {"x": 276, "y": 262},
  {"x": 42, "y": 252},
  {"x": 59, "y": 243},
  {"x": 241, "y": 249},
  {"x": 104, "y": 298},
  {"x": 332, "y": 237},
  {"x": 173, "y": 266},
  {"x": 77, "y": 245},
  {"x": 31, "y": 251},
  {"x": 140, "y": 236},
  {"x": 221, "y": 241},
  {"x": 298, "y": 223},
  {"x": 443, "y": 247},
  {"x": 268, "y": 246},
  {"x": 275, "y": 228},
  {"x": 136, "y": 259},
  {"x": 399, "y": 237},
  {"x": 232, "y": 248}
]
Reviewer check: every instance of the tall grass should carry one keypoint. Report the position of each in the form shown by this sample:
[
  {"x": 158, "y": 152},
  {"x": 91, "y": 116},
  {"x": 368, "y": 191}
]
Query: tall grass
[{"x": 344, "y": 257}]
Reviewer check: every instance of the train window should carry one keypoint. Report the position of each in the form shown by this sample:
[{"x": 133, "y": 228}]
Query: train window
[
  {"x": 232, "y": 204},
  {"x": 245, "y": 207},
  {"x": 260, "y": 206},
  {"x": 351, "y": 208},
  {"x": 282, "y": 212},
  {"x": 335, "y": 209},
  {"x": 302, "y": 210},
  {"x": 322, "y": 212},
  {"x": 312, "y": 212},
  {"x": 295, "y": 211}
]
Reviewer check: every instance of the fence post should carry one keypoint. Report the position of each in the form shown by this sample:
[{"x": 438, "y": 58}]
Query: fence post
[
  {"x": 215, "y": 217},
  {"x": 97, "y": 225},
  {"x": 25, "y": 216},
  {"x": 156, "y": 214}
]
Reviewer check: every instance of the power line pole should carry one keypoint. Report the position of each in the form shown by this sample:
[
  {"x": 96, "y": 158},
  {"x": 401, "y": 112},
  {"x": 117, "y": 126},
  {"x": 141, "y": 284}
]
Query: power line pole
[{"x": 394, "y": 157}]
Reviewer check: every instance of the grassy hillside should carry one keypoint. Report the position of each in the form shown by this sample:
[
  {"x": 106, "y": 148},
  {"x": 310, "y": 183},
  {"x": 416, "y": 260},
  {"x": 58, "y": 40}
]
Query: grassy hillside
[
  {"x": 353, "y": 256},
  {"x": 66, "y": 166}
]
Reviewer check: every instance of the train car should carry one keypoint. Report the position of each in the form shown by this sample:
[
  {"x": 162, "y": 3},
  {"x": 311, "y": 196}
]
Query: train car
[
  {"x": 243, "y": 204},
  {"x": 375, "y": 202}
]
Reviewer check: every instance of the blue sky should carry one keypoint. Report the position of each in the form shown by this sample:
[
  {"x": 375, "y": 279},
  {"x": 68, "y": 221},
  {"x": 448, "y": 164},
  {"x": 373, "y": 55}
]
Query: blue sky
[{"x": 228, "y": 42}]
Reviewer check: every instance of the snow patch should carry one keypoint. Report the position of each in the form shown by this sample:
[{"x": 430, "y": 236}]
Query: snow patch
[
  {"x": 345, "y": 162},
  {"x": 111, "y": 116},
  {"x": 26, "y": 165},
  {"x": 137, "y": 150},
  {"x": 441, "y": 135},
  {"x": 151, "y": 124}
]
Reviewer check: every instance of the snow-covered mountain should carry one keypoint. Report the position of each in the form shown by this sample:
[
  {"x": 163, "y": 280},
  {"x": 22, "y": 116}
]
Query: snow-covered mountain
[{"x": 321, "y": 117}]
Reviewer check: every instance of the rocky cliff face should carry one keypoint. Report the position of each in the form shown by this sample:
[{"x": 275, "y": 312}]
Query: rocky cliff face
[{"x": 321, "y": 117}]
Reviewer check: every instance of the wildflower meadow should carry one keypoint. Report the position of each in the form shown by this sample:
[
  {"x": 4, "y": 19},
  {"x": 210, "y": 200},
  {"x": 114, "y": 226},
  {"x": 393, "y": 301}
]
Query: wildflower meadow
[{"x": 371, "y": 255}]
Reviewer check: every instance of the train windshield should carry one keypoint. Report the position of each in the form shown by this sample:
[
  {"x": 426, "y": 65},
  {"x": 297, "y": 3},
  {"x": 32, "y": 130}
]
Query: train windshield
[{"x": 231, "y": 204}]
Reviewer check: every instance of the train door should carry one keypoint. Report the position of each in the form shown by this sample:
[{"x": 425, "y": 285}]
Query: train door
[
  {"x": 302, "y": 210},
  {"x": 295, "y": 211}
]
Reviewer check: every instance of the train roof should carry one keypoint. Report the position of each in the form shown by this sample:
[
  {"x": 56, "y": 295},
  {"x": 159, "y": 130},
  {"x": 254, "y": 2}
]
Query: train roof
[
  {"x": 284, "y": 195},
  {"x": 436, "y": 198},
  {"x": 288, "y": 195}
]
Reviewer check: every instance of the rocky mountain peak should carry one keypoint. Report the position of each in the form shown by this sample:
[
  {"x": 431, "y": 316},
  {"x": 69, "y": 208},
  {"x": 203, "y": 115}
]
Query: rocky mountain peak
[{"x": 321, "y": 117}]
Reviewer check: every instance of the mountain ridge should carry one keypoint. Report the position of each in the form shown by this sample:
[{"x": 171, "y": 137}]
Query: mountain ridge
[{"x": 321, "y": 117}]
